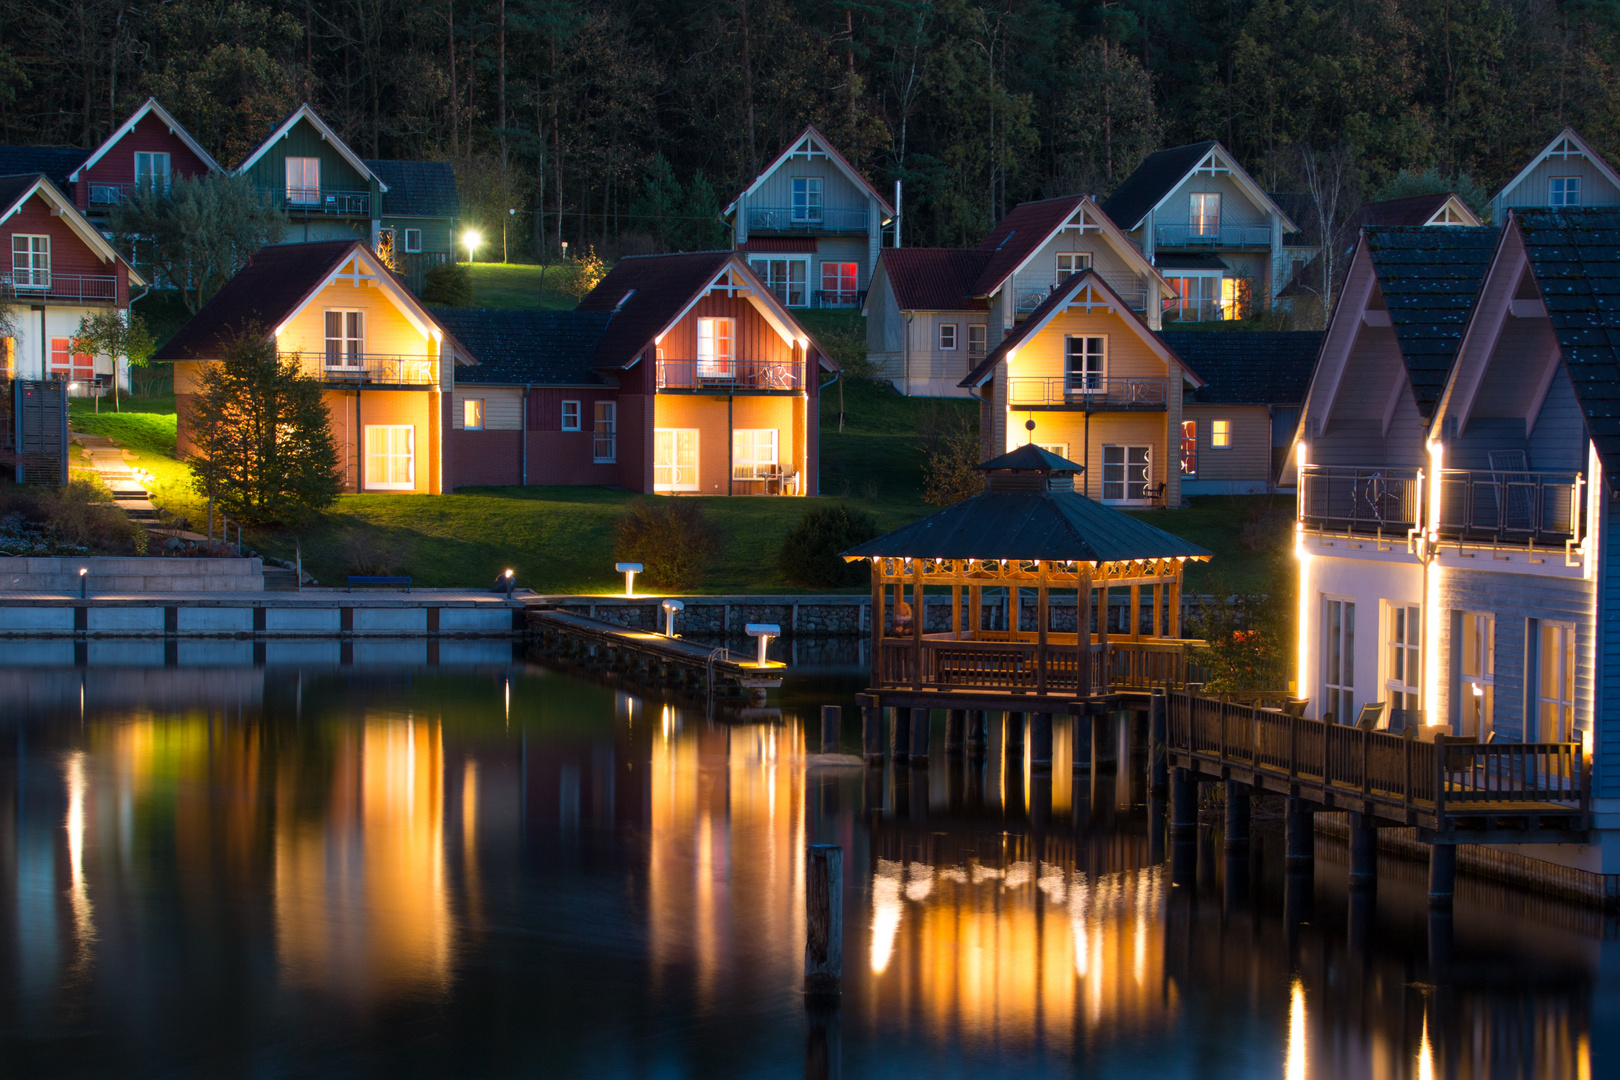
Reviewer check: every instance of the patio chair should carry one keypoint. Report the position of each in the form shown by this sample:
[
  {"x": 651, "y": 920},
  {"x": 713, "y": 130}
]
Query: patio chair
[{"x": 1371, "y": 713}]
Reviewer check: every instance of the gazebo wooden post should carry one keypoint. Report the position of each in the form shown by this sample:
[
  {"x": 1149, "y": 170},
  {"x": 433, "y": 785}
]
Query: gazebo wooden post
[
  {"x": 1082, "y": 626},
  {"x": 1102, "y": 634},
  {"x": 1175, "y": 603},
  {"x": 878, "y": 616},
  {"x": 956, "y": 599},
  {"x": 975, "y": 610},
  {"x": 1136, "y": 609},
  {"x": 917, "y": 617},
  {"x": 1041, "y": 620},
  {"x": 1158, "y": 609}
]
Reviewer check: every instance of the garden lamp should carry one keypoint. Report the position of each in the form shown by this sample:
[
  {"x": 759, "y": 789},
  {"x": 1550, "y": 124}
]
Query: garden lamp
[
  {"x": 671, "y": 609},
  {"x": 629, "y": 570},
  {"x": 763, "y": 632}
]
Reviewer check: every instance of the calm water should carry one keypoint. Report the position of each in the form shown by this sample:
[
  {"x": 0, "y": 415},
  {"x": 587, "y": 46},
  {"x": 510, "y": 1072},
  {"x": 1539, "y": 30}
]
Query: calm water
[{"x": 502, "y": 870}]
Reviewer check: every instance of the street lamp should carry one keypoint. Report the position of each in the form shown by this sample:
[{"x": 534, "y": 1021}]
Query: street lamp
[
  {"x": 84, "y": 581},
  {"x": 511, "y": 583},
  {"x": 471, "y": 238},
  {"x": 629, "y": 570}
]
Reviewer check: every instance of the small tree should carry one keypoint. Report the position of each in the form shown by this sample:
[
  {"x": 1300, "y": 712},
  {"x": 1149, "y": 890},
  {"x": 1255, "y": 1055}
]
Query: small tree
[
  {"x": 263, "y": 444},
  {"x": 108, "y": 332},
  {"x": 588, "y": 272},
  {"x": 952, "y": 473},
  {"x": 670, "y": 538},
  {"x": 810, "y": 553},
  {"x": 449, "y": 284}
]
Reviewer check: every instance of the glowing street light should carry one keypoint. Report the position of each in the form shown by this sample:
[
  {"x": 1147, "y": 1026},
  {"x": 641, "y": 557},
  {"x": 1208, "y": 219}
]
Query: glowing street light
[
  {"x": 671, "y": 608},
  {"x": 511, "y": 582},
  {"x": 84, "y": 581},
  {"x": 629, "y": 570},
  {"x": 471, "y": 239}
]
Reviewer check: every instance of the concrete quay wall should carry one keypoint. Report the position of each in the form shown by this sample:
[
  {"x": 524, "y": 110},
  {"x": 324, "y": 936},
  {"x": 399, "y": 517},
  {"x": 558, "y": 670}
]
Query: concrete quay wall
[{"x": 112, "y": 574}]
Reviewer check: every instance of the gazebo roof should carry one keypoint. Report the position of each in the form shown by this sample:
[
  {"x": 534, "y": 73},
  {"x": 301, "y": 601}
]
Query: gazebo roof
[{"x": 1049, "y": 521}]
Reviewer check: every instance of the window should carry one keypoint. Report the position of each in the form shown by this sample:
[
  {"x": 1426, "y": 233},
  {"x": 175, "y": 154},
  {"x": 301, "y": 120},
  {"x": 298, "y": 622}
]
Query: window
[
  {"x": 947, "y": 336},
  {"x": 1338, "y": 660},
  {"x": 717, "y": 339},
  {"x": 1204, "y": 215},
  {"x": 472, "y": 413},
  {"x": 345, "y": 338},
  {"x": 1564, "y": 191},
  {"x": 1059, "y": 448},
  {"x": 1189, "y": 448},
  {"x": 753, "y": 454},
  {"x": 30, "y": 261},
  {"x": 1476, "y": 691},
  {"x": 1555, "y": 683},
  {"x": 807, "y": 198},
  {"x": 784, "y": 277},
  {"x": 675, "y": 459},
  {"x": 605, "y": 439},
  {"x": 1085, "y": 364},
  {"x": 838, "y": 284},
  {"x": 1403, "y": 639},
  {"x": 70, "y": 366},
  {"x": 152, "y": 171},
  {"x": 570, "y": 416},
  {"x": 1070, "y": 263},
  {"x": 1234, "y": 298},
  {"x": 304, "y": 181},
  {"x": 1220, "y": 434},
  {"x": 413, "y": 241},
  {"x": 390, "y": 457},
  {"x": 1127, "y": 474},
  {"x": 978, "y": 335},
  {"x": 1195, "y": 298}
]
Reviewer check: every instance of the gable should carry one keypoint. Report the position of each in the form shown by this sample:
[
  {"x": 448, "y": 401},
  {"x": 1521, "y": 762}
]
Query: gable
[
  {"x": 1024, "y": 247},
  {"x": 32, "y": 204},
  {"x": 1567, "y": 155},
  {"x": 148, "y": 129},
  {"x": 1168, "y": 174},
  {"x": 304, "y": 134},
  {"x": 810, "y": 154}
]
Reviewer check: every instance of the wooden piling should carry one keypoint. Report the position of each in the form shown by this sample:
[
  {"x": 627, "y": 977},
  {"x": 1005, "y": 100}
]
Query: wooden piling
[
  {"x": 872, "y": 734},
  {"x": 1183, "y": 804},
  {"x": 1300, "y": 832},
  {"x": 978, "y": 736},
  {"x": 899, "y": 735},
  {"x": 1081, "y": 742},
  {"x": 1158, "y": 739},
  {"x": 1363, "y": 848},
  {"x": 1237, "y": 814},
  {"x": 920, "y": 720},
  {"x": 1442, "y": 875},
  {"x": 1013, "y": 732},
  {"x": 832, "y": 719},
  {"x": 955, "y": 723},
  {"x": 1040, "y": 741},
  {"x": 824, "y": 920}
]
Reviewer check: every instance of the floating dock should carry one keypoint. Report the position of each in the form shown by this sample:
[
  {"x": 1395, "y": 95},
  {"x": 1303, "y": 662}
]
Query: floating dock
[{"x": 649, "y": 657}]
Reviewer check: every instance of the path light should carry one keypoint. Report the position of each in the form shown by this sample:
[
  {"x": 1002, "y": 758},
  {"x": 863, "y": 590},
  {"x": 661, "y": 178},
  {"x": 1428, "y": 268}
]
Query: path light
[
  {"x": 511, "y": 583},
  {"x": 671, "y": 607},
  {"x": 84, "y": 580},
  {"x": 764, "y": 632},
  {"x": 470, "y": 239},
  {"x": 629, "y": 570}
]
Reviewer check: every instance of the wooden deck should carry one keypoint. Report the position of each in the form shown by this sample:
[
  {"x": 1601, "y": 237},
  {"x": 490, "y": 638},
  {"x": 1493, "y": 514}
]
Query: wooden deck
[
  {"x": 1451, "y": 790},
  {"x": 652, "y": 654}
]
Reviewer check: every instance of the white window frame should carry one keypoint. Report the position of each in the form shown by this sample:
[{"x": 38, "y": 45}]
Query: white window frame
[
  {"x": 372, "y": 483},
  {"x": 1118, "y": 474},
  {"x": 1092, "y": 375},
  {"x": 1552, "y": 636},
  {"x": 978, "y": 335},
  {"x": 605, "y": 433},
  {"x": 713, "y": 361},
  {"x": 570, "y": 422},
  {"x": 413, "y": 241},
  {"x": 947, "y": 337},
  {"x": 31, "y": 264},
  {"x": 1572, "y": 187},
  {"x": 1205, "y": 305},
  {"x": 1061, "y": 449},
  {"x": 351, "y": 331},
  {"x": 469, "y": 405},
  {"x": 793, "y": 293},
  {"x": 1338, "y": 687},
  {"x": 1401, "y": 649},
  {"x": 755, "y": 453},
  {"x": 1077, "y": 260},
  {"x": 152, "y": 158},
  {"x": 300, "y": 192},
  {"x": 809, "y": 208},
  {"x": 1476, "y": 674},
  {"x": 1201, "y": 220},
  {"x": 674, "y": 481},
  {"x": 1220, "y": 434}
]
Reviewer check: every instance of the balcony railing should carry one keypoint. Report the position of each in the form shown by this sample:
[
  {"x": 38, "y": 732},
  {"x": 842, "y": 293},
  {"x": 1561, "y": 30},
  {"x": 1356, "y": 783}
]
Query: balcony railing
[
  {"x": 44, "y": 286},
  {"x": 1131, "y": 291},
  {"x": 118, "y": 194},
  {"x": 1230, "y": 236},
  {"x": 370, "y": 369},
  {"x": 1510, "y": 506},
  {"x": 318, "y": 200},
  {"x": 1359, "y": 500},
  {"x": 1097, "y": 395},
  {"x": 820, "y": 219},
  {"x": 765, "y": 376},
  {"x": 1194, "y": 309},
  {"x": 840, "y": 298}
]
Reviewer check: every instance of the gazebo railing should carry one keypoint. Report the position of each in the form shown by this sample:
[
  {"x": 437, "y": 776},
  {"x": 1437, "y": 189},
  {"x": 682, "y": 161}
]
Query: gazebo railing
[{"x": 1011, "y": 664}]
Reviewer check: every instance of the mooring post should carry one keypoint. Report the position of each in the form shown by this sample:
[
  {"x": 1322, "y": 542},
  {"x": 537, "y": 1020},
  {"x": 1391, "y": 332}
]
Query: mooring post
[
  {"x": 1363, "y": 849},
  {"x": 1237, "y": 814},
  {"x": 1040, "y": 741},
  {"x": 977, "y": 733},
  {"x": 823, "y": 1049},
  {"x": 1442, "y": 875},
  {"x": 872, "y": 734},
  {"x": 824, "y": 920},
  {"x": 832, "y": 719},
  {"x": 955, "y": 725},
  {"x": 899, "y": 735},
  {"x": 920, "y": 719},
  {"x": 1300, "y": 832},
  {"x": 1183, "y": 804},
  {"x": 1081, "y": 742},
  {"x": 1013, "y": 732},
  {"x": 1158, "y": 730}
]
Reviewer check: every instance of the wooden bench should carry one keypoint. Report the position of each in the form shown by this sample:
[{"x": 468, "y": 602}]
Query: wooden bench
[{"x": 371, "y": 579}]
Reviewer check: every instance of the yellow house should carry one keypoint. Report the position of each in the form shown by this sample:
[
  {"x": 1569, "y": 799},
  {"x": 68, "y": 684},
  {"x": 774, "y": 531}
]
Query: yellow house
[
  {"x": 386, "y": 364},
  {"x": 1085, "y": 378}
]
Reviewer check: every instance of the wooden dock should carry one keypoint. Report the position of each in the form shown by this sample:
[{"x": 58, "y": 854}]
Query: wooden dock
[{"x": 652, "y": 658}]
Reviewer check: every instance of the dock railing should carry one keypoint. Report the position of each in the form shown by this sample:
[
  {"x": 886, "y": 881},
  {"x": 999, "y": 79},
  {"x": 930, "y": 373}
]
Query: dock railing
[{"x": 1012, "y": 663}]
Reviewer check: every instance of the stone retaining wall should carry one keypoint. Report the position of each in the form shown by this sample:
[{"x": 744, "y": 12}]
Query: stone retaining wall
[{"x": 110, "y": 574}]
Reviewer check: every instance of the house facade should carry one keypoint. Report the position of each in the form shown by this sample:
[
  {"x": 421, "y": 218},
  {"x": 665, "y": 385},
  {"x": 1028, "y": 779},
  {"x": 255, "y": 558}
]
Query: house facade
[
  {"x": 1566, "y": 173},
  {"x": 811, "y": 225},
  {"x": 59, "y": 270},
  {"x": 149, "y": 149}
]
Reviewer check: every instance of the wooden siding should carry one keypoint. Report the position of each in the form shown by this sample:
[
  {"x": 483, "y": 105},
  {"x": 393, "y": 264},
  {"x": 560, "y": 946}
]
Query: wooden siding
[
  {"x": 1533, "y": 189},
  {"x": 1108, "y": 429},
  {"x": 1040, "y": 273},
  {"x": 303, "y": 140},
  {"x": 756, "y": 339},
  {"x": 387, "y": 332},
  {"x": 837, "y": 192},
  {"x": 149, "y": 135},
  {"x": 503, "y": 407},
  {"x": 1249, "y": 456},
  {"x": 437, "y": 236},
  {"x": 379, "y": 407},
  {"x": 1606, "y": 733},
  {"x": 885, "y": 325},
  {"x": 1129, "y": 356},
  {"x": 1237, "y": 208},
  {"x": 924, "y": 359},
  {"x": 69, "y": 252},
  {"x": 1354, "y": 431},
  {"x": 708, "y": 416}
]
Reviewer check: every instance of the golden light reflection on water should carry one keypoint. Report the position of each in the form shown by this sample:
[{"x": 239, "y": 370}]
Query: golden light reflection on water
[
  {"x": 1294, "y": 1068},
  {"x": 84, "y": 927}
]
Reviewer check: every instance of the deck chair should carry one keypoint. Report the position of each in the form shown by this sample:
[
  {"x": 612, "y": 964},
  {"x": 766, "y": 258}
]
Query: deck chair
[
  {"x": 1297, "y": 707},
  {"x": 1371, "y": 713},
  {"x": 1517, "y": 497}
]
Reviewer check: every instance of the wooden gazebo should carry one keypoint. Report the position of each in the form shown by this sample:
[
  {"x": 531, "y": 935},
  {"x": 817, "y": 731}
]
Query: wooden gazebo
[{"x": 1028, "y": 531}]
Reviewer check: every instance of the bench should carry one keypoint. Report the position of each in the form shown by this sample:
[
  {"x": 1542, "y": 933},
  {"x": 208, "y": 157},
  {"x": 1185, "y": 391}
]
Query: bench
[{"x": 368, "y": 579}]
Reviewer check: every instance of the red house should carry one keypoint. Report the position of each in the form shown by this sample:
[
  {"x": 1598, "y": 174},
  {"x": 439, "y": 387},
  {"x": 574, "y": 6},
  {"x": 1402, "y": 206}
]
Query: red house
[{"x": 151, "y": 147}]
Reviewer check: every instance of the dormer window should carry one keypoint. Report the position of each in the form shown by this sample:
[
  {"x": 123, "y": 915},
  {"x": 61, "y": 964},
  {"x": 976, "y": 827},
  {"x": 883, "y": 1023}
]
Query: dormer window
[
  {"x": 807, "y": 198},
  {"x": 1564, "y": 191},
  {"x": 1204, "y": 215}
]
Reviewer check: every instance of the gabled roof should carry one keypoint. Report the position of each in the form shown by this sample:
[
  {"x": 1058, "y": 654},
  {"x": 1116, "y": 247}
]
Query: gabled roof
[
  {"x": 417, "y": 188},
  {"x": 1429, "y": 278},
  {"x": 811, "y": 142},
  {"x": 56, "y": 163},
  {"x": 17, "y": 190},
  {"x": 1248, "y": 367},
  {"x": 1029, "y": 226},
  {"x": 1163, "y": 171},
  {"x": 278, "y": 282},
  {"x": 934, "y": 279},
  {"x": 1567, "y": 143},
  {"x": 305, "y": 112},
  {"x": 175, "y": 128},
  {"x": 1416, "y": 210},
  {"x": 1100, "y": 294},
  {"x": 549, "y": 348}
]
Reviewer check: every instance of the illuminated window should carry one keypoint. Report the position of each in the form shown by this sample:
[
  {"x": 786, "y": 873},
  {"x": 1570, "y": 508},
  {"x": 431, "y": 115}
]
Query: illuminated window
[
  {"x": 1234, "y": 298},
  {"x": 753, "y": 454},
  {"x": 947, "y": 336},
  {"x": 472, "y": 414},
  {"x": 570, "y": 416},
  {"x": 304, "y": 181},
  {"x": 1204, "y": 215},
  {"x": 1476, "y": 694},
  {"x": 717, "y": 339},
  {"x": 390, "y": 457},
  {"x": 675, "y": 459},
  {"x": 1189, "y": 448},
  {"x": 1070, "y": 263},
  {"x": 1220, "y": 434},
  {"x": 1555, "y": 683},
  {"x": 345, "y": 338},
  {"x": 69, "y": 366},
  {"x": 838, "y": 284},
  {"x": 1564, "y": 191},
  {"x": 1059, "y": 448},
  {"x": 605, "y": 437},
  {"x": 1402, "y": 650},
  {"x": 1127, "y": 474},
  {"x": 1338, "y": 660}
]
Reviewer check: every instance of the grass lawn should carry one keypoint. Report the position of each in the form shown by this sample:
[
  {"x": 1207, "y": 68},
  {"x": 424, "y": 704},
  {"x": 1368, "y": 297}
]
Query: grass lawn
[
  {"x": 518, "y": 285},
  {"x": 1215, "y": 522},
  {"x": 145, "y": 427}
]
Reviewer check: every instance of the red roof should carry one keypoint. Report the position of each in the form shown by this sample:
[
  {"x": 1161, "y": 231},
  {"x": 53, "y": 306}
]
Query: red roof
[
  {"x": 1017, "y": 236},
  {"x": 1416, "y": 210},
  {"x": 934, "y": 279},
  {"x": 789, "y": 244}
]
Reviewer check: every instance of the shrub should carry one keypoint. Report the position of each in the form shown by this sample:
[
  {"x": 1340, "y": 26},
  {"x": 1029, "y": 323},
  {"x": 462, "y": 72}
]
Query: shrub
[
  {"x": 370, "y": 554},
  {"x": 449, "y": 284},
  {"x": 670, "y": 538},
  {"x": 80, "y": 518},
  {"x": 809, "y": 555},
  {"x": 952, "y": 472}
]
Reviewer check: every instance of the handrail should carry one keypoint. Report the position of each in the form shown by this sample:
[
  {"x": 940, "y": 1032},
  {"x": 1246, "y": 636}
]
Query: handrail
[
  {"x": 950, "y": 663},
  {"x": 1190, "y": 235},
  {"x": 1358, "y": 499},
  {"x": 49, "y": 285},
  {"x": 807, "y": 219},
  {"x": 783, "y": 376},
  {"x": 1478, "y": 504},
  {"x": 369, "y": 369},
  {"x": 318, "y": 200},
  {"x": 1151, "y": 393}
]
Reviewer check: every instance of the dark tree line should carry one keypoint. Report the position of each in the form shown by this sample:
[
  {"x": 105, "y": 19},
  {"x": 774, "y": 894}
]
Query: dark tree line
[{"x": 568, "y": 110}]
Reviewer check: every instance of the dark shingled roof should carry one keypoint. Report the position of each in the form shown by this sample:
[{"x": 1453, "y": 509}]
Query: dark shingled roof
[
  {"x": 417, "y": 188},
  {"x": 934, "y": 279},
  {"x": 1412, "y": 211},
  {"x": 1575, "y": 256},
  {"x": 555, "y": 348},
  {"x": 56, "y": 162},
  {"x": 1247, "y": 367},
  {"x": 1430, "y": 278},
  {"x": 1145, "y": 188},
  {"x": 662, "y": 285},
  {"x": 13, "y": 188},
  {"x": 1018, "y": 234}
]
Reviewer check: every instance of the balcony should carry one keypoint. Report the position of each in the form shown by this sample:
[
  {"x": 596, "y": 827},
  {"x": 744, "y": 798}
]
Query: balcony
[
  {"x": 334, "y": 201},
  {"x": 730, "y": 376},
  {"x": 42, "y": 287},
  {"x": 382, "y": 370},
  {"x": 1091, "y": 395},
  {"x": 839, "y": 298},
  {"x": 816, "y": 219},
  {"x": 1131, "y": 291},
  {"x": 1510, "y": 507},
  {"x": 1349, "y": 499},
  {"x": 119, "y": 194},
  {"x": 1212, "y": 236}
]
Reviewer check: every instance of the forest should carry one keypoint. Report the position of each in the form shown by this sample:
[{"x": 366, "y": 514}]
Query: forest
[{"x": 626, "y": 124}]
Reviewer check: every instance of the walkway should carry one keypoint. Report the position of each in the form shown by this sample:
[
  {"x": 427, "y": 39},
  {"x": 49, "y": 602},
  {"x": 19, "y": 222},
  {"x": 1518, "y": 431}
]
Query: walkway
[{"x": 111, "y": 463}]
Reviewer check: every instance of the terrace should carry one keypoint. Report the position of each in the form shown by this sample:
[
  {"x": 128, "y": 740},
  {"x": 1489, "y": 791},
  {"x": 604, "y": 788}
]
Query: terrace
[
  {"x": 730, "y": 376},
  {"x": 1475, "y": 505}
]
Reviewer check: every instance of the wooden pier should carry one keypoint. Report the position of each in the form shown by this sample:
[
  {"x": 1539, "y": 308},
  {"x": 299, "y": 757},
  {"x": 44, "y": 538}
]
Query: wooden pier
[{"x": 651, "y": 657}]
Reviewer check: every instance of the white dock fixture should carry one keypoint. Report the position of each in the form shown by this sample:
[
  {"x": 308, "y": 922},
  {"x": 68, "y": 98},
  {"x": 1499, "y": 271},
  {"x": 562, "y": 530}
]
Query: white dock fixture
[
  {"x": 671, "y": 609},
  {"x": 629, "y": 570},
  {"x": 764, "y": 632}
]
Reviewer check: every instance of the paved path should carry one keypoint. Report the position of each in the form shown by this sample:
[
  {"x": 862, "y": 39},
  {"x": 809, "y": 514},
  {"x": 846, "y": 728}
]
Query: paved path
[{"x": 111, "y": 462}]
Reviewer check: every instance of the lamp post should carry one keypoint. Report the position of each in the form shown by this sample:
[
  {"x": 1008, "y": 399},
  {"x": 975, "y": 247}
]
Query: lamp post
[
  {"x": 763, "y": 633},
  {"x": 671, "y": 609},
  {"x": 511, "y": 583},
  {"x": 84, "y": 581},
  {"x": 471, "y": 239},
  {"x": 629, "y": 570}
]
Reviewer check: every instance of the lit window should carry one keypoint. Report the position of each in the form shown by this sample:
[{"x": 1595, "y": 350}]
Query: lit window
[
  {"x": 413, "y": 241},
  {"x": 717, "y": 339},
  {"x": 838, "y": 284},
  {"x": 605, "y": 440},
  {"x": 675, "y": 459},
  {"x": 1085, "y": 364},
  {"x": 1564, "y": 191},
  {"x": 978, "y": 335},
  {"x": 472, "y": 414},
  {"x": 1127, "y": 474},
  {"x": 947, "y": 336},
  {"x": 807, "y": 198},
  {"x": 390, "y": 457},
  {"x": 1189, "y": 448},
  {"x": 1220, "y": 434},
  {"x": 1059, "y": 448},
  {"x": 68, "y": 365},
  {"x": 1477, "y": 692},
  {"x": 345, "y": 338},
  {"x": 1403, "y": 647},
  {"x": 1204, "y": 215},
  {"x": 1555, "y": 683},
  {"x": 30, "y": 261},
  {"x": 753, "y": 454},
  {"x": 1338, "y": 660},
  {"x": 570, "y": 416},
  {"x": 304, "y": 181},
  {"x": 1070, "y": 263}
]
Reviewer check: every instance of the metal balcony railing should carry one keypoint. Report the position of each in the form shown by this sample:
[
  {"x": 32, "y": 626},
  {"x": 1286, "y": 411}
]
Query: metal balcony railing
[
  {"x": 1190, "y": 235},
  {"x": 814, "y": 219},
  {"x": 369, "y": 369},
  {"x": 840, "y": 298},
  {"x": 318, "y": 200},
  {"x": 1360, "y": 500},
  {"x": 1130, "y": 290},
  {"x": 119, "y": 194},
  {"x": 1510, "y": 506},
  {"x": 45, "y": 286},
  {"x": 1097, "y": 394},
  {"x": 768, "y": 376}
]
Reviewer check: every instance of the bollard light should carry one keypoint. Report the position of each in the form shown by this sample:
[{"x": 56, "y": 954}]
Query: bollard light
[
  {"x": 84, "y": 580},
  {"x": 764, "y": 632},
  {"x": 629, "y": 570},
  {"x": 511, "y": 583},
  {"x": 671, "y": 607}
]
